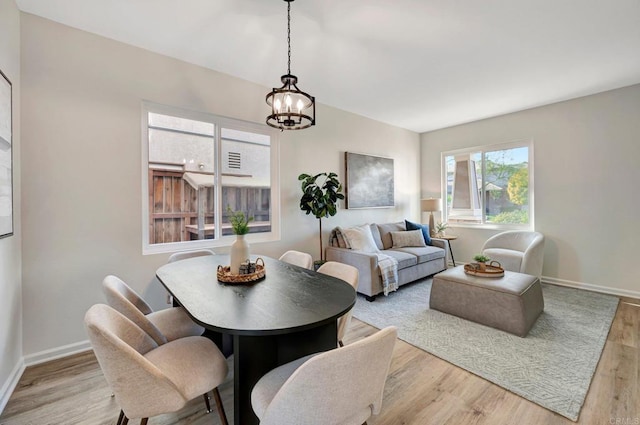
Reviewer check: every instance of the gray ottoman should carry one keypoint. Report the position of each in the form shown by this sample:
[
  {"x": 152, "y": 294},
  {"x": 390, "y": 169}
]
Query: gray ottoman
[{"x": 511, "y": 303}]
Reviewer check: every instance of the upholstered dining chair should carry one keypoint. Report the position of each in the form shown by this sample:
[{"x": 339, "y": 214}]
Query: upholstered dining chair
[
  {"x": 517, "y": 251},
  {"x": 341, "y": 386},
  {"x": 297, "y": 258},
  {"x": 350, "y": 275},
  {"x": 177, "y": 256},
  {"x": 162, "y": 325},
  {"x": 148, "y": 379}
]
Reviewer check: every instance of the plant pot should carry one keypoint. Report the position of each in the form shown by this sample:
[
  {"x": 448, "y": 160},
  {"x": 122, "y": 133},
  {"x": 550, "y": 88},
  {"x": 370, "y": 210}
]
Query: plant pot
[{"x": 239, "y": 253}]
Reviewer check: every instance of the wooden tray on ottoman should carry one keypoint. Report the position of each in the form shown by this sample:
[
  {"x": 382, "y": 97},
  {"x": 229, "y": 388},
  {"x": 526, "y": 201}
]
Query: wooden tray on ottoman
[
  {"x": 225, "y": 275},
  {"x": 493, "y": 269}
]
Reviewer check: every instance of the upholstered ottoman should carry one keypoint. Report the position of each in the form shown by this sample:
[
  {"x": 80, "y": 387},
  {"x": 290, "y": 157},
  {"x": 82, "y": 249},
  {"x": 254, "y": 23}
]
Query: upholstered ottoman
[{"x": 511, "y": 303}]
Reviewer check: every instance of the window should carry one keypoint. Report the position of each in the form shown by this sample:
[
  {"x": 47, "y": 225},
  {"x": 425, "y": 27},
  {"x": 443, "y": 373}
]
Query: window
[
  {"x": 490, "y": 186},
  {"x": 196, "y": 166}
]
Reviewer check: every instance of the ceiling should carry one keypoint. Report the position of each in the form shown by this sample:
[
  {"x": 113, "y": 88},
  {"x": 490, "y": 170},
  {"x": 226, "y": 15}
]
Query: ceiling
[{"x": 415, "y": 64}]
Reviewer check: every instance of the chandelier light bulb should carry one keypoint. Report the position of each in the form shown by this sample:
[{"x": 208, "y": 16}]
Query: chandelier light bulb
[
  {"x": 278, "y": 105},
  {"x": 299, "y": 105}
]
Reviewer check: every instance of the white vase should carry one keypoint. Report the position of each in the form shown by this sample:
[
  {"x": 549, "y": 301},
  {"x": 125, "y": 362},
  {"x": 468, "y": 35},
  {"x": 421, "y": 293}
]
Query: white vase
[{"x": 239, "y": 253}]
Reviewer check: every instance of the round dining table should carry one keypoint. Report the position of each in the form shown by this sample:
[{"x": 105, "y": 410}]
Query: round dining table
[{"x": 290, "y": 313}]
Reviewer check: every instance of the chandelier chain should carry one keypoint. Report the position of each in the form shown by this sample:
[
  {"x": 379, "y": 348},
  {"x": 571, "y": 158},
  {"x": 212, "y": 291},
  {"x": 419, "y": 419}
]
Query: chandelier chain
[{"x": 289, "y": 36}]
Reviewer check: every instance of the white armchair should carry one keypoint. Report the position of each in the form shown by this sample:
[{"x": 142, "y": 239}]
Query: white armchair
[{"x": 517, "y": 251}]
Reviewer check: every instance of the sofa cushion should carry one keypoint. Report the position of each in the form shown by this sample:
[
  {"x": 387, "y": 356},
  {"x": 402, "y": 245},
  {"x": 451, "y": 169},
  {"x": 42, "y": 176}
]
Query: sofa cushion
[
  {"x": 424, "y": 254},
  {"x": 407, "y": 238},
  {"x": 360, "y": 239},
  {"x": 385, "y": 232},
  {"x": 404, "y": 259},
  {"x": 417, "y": 226}
]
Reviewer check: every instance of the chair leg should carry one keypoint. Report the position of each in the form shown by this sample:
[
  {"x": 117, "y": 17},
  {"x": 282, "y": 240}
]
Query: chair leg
[
  {"x": 120, "y": 418},
  {"x": 220, "y": 407},
  {"x": 143, "y": 421},
  {"x": 125, "y": 421},
  {"x": 206, "y": 402},
  {"x": 340, "y": 343}
]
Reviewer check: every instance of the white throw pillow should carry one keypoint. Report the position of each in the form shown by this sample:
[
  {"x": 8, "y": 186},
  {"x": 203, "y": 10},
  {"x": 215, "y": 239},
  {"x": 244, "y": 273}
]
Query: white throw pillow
[
  {"x": 360, "y": 238},
  {"x": 407, "y": 238}
]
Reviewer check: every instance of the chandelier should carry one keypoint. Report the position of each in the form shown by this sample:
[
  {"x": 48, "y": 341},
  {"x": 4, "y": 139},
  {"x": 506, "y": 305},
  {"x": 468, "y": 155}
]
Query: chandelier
[{"x": 291, "y": 108}]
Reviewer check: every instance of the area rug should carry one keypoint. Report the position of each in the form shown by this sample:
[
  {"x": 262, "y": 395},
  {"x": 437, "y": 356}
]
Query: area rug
[{"x": 552, "y": 366}]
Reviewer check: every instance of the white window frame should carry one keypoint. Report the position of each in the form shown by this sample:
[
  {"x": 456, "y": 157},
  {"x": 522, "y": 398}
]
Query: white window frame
[
  {"x": 219, "y": 122},
  {"x": 528, "y": 143}
]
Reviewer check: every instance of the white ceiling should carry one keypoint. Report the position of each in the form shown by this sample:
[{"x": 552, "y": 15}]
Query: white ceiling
[{"x": 416, "y": 64}]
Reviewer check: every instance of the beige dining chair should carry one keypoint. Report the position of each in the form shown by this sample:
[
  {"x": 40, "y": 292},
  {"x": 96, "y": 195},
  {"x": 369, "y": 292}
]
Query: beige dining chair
[
  {"x": 341, "y": 386},
  {"x": 177, "y": 256},
  {"x": 162, "y": 325},
  {"x": 297, "y": 258},
  {"x": 350, "y": 275},
  {"x": 148, "y": 379}
]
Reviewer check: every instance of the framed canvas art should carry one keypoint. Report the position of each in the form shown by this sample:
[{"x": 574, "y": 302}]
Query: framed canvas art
[
  {"x": 6, "y": 159},
  {"x": 369, "y": 181}
]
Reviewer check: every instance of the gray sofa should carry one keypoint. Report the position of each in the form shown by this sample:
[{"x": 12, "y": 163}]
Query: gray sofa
[{"x": 413, "y": 262}]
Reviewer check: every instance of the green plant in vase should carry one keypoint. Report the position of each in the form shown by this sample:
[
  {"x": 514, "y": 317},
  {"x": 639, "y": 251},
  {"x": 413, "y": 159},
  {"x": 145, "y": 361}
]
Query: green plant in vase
[
  {"x": 440, "y": 228},
  {"x": 482, "y": 260},
  {"x": 240, "y": 248}
]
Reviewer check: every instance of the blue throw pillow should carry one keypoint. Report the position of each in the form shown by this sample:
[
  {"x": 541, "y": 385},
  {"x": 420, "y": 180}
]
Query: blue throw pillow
[{"x": 423, "y": 227}]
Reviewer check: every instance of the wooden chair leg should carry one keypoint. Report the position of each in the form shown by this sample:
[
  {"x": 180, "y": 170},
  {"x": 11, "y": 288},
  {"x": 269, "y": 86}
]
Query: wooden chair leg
[
  {"x": 143, "y": 421},
  {"x": 125, "y": 421},
  {"x": 220, "y": 407},
  {"x": 341, "y": 345},
  {"x": 206, "y": 402},
  {"x": 120, "y": 418}
]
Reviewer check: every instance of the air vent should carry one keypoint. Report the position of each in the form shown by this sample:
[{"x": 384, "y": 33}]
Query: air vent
[{"x": 234, "y": 160}]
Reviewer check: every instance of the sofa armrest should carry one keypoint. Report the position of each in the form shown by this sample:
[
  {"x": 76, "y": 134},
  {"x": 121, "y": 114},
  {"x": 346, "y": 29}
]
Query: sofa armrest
[
  {"x": 366, "y": 263},
  {"x": 444, "y": 244}
]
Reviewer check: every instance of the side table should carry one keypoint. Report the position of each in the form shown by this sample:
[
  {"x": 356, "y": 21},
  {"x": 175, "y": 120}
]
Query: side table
[{"x": 449, "y": 239}]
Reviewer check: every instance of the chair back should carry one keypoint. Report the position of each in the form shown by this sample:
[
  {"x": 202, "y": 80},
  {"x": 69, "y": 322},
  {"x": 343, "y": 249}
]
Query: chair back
[
  {"x": 177, "y": 256},
  {"x": 530, "y": 244},
  {"x": 125, "y": 300},
  {"x": 140, "y": 388},
  {"x": 342, "y": 386},
  {"x": 297, "y": 258},
  {"x": 350, "y": 275}
]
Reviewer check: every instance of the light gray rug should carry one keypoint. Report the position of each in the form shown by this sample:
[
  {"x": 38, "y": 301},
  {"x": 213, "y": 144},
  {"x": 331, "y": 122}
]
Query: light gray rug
[{"x": 552, "y": 366}]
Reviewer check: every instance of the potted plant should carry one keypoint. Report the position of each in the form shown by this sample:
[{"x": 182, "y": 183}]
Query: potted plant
[
  {"x": 240, "y": 248},
  {"x": 440, "y": 228},
  {"x": 482, "y": 261},
  {"x": 320, "y": 198}
]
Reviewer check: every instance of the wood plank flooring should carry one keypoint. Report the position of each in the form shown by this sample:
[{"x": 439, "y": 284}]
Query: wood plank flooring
[{"x": 421, "y": 389}]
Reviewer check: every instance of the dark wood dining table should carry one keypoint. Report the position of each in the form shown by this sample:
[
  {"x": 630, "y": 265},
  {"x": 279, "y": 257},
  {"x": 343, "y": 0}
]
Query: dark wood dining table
[{"x": 289, "y": 314}]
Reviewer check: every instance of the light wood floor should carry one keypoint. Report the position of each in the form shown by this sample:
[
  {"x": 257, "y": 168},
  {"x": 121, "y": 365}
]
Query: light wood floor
[{"x": 421, "y": 389}]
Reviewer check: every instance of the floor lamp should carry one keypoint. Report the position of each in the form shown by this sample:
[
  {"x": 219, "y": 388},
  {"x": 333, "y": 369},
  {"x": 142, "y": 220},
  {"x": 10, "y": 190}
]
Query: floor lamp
[{"x": 430, "y": 205}]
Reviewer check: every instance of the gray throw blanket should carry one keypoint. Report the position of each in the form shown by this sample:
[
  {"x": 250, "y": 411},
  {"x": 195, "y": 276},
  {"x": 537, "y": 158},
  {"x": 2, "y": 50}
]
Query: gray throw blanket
[{"x": 389, "y": 272}]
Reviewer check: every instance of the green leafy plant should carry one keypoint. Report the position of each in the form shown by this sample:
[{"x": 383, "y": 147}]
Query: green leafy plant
[
  {"x": 481, "y": 258},
  {"x": 239, "y": 221},
  {"x": 441, "y": 227},
  {"x": 320, "y": 198}
]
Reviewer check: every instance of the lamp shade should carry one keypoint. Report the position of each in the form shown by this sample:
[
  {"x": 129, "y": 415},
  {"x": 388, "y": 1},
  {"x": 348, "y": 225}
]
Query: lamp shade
[{"x": 431, "y": 204}]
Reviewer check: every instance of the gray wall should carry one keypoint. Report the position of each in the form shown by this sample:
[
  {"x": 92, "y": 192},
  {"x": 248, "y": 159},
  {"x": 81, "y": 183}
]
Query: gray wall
[
  {"x": 10, "y": 248},
  {"x": 82, "y": 99},
  {"x": 586, "y": 172}
]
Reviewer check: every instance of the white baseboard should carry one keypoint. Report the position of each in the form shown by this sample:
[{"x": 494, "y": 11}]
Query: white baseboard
[
  {"x": 591, "y": 287},
  {"x": 57, "y": 353},
  {"x": 11, "y": 384},
  {"x": 585, "y": 286}
]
